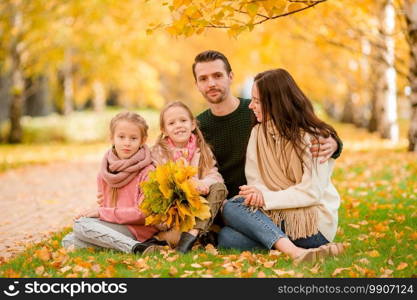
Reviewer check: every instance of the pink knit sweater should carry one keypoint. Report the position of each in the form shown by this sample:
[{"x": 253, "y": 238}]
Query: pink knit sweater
[{"x": 126, "y": 211}]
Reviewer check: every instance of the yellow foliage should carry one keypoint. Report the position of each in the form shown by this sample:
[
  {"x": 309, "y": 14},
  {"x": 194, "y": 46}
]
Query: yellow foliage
[{"x": 171, "y": 197}]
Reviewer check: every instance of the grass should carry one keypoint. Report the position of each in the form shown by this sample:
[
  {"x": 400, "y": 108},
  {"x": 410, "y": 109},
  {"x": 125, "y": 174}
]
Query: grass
[{"x": 377, "y": 182}]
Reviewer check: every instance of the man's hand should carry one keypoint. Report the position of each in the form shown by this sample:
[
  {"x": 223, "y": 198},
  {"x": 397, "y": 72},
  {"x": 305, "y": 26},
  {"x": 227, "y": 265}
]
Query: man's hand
[
  {"x": 327, "y": 147},
  {"x": 253, "y": 196}
]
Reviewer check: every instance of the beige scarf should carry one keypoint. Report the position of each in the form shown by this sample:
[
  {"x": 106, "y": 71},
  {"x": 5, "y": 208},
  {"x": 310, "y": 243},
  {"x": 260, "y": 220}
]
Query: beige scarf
[{"x": 279, "y": 173}]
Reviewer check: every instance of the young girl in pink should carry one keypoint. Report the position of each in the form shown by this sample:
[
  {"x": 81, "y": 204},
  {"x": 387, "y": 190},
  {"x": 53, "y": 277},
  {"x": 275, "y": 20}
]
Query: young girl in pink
[
  {"x": 181, "y": 139},
  {"x": 118, "y": 223}
]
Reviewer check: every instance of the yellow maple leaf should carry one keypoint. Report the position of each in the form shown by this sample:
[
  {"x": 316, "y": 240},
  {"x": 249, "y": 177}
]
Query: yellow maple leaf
[
  {"x": 43, "y": 254},
  {"x": 373, "y": 253}
]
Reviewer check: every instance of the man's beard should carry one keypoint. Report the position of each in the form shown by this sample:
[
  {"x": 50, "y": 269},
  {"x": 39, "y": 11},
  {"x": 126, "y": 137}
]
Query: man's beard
[{"x": 219, "y": 99}]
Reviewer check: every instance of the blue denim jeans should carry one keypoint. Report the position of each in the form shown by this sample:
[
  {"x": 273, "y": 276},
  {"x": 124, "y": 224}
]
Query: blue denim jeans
[{"x": 246, "y": 229}]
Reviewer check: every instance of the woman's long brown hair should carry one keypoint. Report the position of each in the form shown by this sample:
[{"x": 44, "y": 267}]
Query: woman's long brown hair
[{"x": 290, "y": 110}]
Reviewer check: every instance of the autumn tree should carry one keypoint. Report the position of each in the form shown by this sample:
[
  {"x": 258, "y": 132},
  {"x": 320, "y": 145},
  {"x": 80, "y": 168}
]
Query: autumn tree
[
  {"x": 410, "y": 13},
  {"x": 370, "y": 27},
  {"x": 20, "y": 24}
]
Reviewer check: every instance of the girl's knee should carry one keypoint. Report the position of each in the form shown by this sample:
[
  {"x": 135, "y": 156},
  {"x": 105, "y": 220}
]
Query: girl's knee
[
  {"x": 218, "y": 193},
  {"x": 68, "y": 240},
  {"x": 80, "y": 224},
  {"x": 219, "y": 188}
]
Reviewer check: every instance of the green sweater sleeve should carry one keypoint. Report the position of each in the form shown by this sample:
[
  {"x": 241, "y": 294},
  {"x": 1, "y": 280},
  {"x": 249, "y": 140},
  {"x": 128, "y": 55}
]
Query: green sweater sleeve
[{"x": 339, "y": 149}]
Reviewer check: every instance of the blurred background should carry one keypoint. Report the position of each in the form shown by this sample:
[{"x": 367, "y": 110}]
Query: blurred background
[{"x": 66, "y": 67}]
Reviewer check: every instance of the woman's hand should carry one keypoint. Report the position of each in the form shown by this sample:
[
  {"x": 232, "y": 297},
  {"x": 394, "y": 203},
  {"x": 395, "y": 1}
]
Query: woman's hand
[
  {"x": 253, "y": 196},
  {"x": 327, "y": 147},
  {"x": 88, "y": 213}
]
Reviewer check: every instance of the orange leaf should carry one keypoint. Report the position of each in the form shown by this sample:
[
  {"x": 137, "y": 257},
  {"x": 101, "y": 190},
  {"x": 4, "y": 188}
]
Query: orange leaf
[
  {"x": 402, "y": 266},
  {"x": 356, "y": 226},
  {"x": 339, "y": 270},
  {"x": 173, "y": 271},
  {"x": 43, "y": 254},
  {"x": 315, "y": 269},
  {"x": 210, "y": 249},
  {"x": 40, "y": 270},
  {"x": 373, "y": 253},
  {"x": 261, "y": 275}
]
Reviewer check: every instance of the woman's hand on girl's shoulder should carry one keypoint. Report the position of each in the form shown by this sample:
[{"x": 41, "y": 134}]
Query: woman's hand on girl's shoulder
[{"x": 253, "y": 196}]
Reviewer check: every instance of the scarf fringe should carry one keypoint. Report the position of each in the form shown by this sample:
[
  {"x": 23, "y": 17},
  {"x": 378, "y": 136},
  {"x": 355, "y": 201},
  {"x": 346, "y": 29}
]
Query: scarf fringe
[{"x": 298, "y": 222}]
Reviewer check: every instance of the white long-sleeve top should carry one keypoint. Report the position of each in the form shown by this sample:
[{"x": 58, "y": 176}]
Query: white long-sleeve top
[{"x": 315, "y": 188}]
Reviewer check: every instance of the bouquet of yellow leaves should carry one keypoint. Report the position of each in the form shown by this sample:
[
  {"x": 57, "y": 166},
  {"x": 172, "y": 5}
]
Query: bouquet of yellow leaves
[{"x": 171, "y": 197}]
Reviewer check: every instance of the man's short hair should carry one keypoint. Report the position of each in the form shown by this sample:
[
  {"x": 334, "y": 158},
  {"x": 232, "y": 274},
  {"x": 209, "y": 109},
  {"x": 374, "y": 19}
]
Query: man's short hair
[{"x": 211, "y": 55}]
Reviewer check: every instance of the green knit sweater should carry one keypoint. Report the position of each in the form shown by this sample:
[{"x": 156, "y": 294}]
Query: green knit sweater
[{"x": 228, "y": 137}]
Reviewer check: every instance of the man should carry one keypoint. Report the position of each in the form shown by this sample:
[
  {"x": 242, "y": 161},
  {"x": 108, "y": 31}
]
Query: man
[{"x": 228, "y": 122}]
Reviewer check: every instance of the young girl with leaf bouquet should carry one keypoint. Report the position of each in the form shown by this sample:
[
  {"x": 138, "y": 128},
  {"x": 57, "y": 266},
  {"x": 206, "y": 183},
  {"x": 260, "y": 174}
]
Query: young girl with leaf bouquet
[
  {"x": 118, "y": 223},
  {"x": 181, "y": 141}
]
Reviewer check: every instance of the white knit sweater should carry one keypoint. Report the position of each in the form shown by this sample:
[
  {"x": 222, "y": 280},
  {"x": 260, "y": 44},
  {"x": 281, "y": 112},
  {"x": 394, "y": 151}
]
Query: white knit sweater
[{"x": 315, "y": 188}]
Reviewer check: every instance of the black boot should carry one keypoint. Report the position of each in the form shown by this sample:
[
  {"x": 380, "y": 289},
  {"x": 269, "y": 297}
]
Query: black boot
[
  {"x": 209, "y": 237},
  {"x": 186, "y": 242},
  {"x": 157, "y": 242},
  {"x": 141, "y": 247}
]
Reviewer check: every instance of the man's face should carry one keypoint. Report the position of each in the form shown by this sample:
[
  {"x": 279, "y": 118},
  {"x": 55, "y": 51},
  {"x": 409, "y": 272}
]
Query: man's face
[{"x": 212, "y": 80}]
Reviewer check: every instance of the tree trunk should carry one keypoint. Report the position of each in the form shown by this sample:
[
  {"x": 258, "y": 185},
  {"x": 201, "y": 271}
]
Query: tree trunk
[
  {"x": 17, "y": 84},
  {"x": 68, "y": 83},
  {"x": 347, "y": 114},
  {"x": 410, "y": 9},
  {"x": 377, "y": 82},
  {"x": 5, "y": 79},
  {"x": 389, "y": 126},
  {"x": 99, "y": 98},
  {"x": 38, "y": 101}
]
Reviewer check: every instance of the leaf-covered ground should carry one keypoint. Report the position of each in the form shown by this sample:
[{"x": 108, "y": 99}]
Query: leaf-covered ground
[{"x": 377, "y": 182}]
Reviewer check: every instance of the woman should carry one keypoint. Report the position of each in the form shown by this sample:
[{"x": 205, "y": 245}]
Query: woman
[{"x": 289, "y": 202}]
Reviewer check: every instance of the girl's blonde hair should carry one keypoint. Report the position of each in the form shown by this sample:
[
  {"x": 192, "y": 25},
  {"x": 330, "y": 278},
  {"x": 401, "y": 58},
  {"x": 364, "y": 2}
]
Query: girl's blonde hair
[
  {"x": 131, "y": 117},
  {"x": 206, "y": 159},
  {"x": 143, "y": 129}
]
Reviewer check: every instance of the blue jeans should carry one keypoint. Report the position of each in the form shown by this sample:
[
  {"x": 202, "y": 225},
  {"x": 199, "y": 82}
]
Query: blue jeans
[{"x": 247, "y": 230}]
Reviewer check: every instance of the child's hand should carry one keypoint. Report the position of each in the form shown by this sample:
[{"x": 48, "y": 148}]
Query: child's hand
[
  {"x": 100, "y": 199},
  {"x": 88, "y": 213},
  {"x": 202, "y": 188},
  {"x": 161, "y": 227}
]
